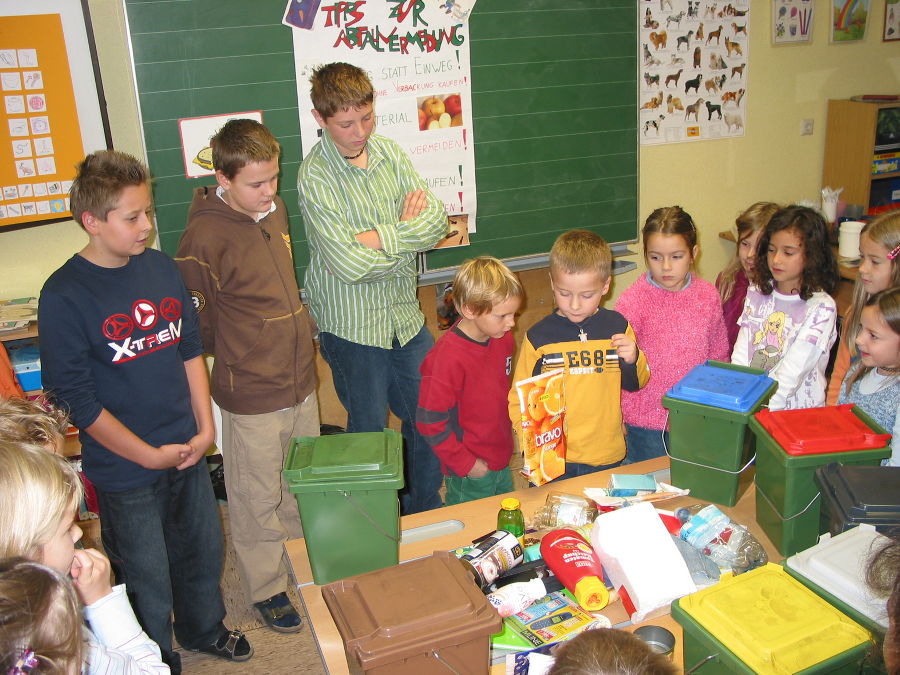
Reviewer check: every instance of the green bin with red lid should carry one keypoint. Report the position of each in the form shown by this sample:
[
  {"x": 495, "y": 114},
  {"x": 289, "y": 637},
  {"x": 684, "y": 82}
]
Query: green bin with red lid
[{"x": 790, "y": 446}]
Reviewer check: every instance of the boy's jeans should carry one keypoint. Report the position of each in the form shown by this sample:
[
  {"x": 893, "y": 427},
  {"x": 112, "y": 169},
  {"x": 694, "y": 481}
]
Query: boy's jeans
[
  {"x": 370, "y": 379},
  {"x": 165, "y": 544}
]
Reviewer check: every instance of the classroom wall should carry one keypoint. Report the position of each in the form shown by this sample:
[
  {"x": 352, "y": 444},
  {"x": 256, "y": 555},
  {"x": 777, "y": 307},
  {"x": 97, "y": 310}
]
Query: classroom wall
[
  {"x": 712, "y": 180},
  {"x": 29, "y": 255}
]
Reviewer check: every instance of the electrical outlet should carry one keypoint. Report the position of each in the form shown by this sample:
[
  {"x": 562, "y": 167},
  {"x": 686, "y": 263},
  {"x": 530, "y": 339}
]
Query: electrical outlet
[{"x": 806, "y": 127}]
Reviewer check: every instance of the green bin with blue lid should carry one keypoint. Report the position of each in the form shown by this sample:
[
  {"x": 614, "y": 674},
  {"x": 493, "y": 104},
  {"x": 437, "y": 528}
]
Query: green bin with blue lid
[
  {"x": 709, "y": 411},
  {"x": 346, "y": 488}
]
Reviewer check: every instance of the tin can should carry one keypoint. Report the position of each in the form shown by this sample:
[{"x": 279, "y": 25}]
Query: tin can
[{"x": 493, "y": 555}]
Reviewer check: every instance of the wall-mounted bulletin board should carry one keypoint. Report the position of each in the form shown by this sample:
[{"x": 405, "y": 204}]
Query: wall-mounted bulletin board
[
  {"x": 554, "y": 111},
  {"x": 46, "y": 54}
]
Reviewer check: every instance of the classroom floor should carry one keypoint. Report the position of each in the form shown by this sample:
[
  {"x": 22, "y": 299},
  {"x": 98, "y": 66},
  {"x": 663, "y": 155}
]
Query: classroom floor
[{"x": 273, "y": 653}]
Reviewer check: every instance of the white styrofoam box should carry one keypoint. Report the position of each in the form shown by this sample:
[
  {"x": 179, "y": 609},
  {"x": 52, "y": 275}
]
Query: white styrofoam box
[
  {"x": 838, "y": 565},
  {"x": 638, "y": 553}
]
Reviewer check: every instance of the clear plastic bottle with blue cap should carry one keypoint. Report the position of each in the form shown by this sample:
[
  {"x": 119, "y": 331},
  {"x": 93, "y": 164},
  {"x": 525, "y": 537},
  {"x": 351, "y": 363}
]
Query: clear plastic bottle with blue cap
[{"x": 728, "y": 544}]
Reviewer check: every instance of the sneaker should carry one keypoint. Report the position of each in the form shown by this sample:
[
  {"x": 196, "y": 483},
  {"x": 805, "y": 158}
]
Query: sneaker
[
  {"x": 232, "y": 645},
  {"x": 279, "y": 614}
]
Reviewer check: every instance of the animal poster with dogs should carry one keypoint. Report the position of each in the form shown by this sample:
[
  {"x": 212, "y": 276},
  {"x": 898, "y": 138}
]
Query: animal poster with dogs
[{"x": 693, "y": 57}]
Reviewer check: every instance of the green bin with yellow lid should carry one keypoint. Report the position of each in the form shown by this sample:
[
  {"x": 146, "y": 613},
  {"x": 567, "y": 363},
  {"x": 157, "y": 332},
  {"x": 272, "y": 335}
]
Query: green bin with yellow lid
[{"x": 767, "y": 622}]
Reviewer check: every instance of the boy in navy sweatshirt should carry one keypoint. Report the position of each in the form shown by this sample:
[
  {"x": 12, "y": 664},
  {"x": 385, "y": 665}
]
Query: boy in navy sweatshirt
[{"x": 120, "y": 352}]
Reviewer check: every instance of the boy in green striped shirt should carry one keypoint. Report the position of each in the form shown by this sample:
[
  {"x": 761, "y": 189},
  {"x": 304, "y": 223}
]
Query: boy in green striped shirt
[{"x": 367, "y": 214}]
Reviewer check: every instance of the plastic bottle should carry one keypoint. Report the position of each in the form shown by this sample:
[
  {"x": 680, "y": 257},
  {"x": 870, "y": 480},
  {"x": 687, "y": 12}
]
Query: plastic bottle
[
  {"x": 564, "y": 510},
  {"x": 513, "y": 598},
  {"x": 727, "y": 543},
  {"x": 510, "y": 518},
  {"x": 574, "y": 562}
]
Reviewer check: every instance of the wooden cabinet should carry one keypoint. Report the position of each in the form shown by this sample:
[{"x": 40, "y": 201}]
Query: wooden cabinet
[{"x": 850, "y": 148}]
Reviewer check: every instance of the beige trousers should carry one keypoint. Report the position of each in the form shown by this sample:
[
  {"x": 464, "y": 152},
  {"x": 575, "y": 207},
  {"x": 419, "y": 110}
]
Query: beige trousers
[{"x": 261, "y": 510}]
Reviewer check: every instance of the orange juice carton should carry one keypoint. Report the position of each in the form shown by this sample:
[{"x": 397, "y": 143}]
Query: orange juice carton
[{"x": 542, "y": 436}]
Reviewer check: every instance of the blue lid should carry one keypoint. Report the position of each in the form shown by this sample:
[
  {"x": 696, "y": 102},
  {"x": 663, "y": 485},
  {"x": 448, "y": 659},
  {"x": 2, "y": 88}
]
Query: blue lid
[{"x": 722, "y": 385}]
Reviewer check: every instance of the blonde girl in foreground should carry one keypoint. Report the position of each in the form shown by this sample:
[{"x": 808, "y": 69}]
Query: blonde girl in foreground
[{"x": 39, "y": 496}]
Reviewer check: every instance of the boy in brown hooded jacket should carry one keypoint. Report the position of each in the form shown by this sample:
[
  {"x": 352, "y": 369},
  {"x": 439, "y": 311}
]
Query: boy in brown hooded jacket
[{"x": 236, "y": 260}]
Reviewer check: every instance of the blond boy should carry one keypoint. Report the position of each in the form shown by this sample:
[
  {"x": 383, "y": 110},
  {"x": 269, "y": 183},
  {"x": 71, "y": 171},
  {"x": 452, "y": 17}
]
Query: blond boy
[
  {"x": 465, "y": 380},
  {"x": 593, "y": 347}
]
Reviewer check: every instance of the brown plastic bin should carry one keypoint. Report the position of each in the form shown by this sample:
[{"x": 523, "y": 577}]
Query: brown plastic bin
[{"x": 425, "y": 616}]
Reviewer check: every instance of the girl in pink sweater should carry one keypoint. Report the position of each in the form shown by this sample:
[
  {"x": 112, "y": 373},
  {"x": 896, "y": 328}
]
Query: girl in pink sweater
[{"x": 677, "y": 320}]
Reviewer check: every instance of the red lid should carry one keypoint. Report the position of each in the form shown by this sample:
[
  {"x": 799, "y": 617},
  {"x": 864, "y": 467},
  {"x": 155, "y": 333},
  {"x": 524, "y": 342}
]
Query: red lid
[{"x": 810, "y": 431}]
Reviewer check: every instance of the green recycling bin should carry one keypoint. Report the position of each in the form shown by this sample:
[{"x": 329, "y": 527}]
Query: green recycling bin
[
  {"x": 709, "y": 442},
  {"x": 346, "y": 488}
]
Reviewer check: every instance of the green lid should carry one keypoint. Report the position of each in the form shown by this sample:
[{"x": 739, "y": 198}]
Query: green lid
[{"x": 345, "y": 461}]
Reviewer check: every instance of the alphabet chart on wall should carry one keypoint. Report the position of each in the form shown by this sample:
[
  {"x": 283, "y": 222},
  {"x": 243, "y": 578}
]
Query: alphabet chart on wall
[{"x": 41, "y": 134}]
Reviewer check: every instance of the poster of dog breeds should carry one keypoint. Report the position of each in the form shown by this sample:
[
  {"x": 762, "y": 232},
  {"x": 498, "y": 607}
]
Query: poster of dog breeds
[{"x": 693, "y": 57}]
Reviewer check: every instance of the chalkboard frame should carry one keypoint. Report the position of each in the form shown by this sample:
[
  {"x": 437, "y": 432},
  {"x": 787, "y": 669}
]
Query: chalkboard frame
[{"x": 556, "y": 149}]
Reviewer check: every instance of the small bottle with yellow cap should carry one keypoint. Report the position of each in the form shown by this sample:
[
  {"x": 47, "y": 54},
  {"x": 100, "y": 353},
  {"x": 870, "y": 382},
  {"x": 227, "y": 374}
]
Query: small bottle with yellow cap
[{"x": 510, "y": 518}]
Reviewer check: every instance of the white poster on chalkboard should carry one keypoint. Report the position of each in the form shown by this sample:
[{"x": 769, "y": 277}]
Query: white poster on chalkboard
[
  {"x": 693, "y": 58},
  {"x": 195, "y": 135},
  {"x": 417, "y": 55}
]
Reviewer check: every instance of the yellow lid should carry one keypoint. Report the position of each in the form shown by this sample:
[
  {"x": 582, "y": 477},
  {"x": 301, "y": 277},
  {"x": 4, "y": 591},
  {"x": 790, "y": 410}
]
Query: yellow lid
[
  {"x": 772, "y": 622},
  {"x": 591, "y": 593},
  {"x": 509, "y": 504}
]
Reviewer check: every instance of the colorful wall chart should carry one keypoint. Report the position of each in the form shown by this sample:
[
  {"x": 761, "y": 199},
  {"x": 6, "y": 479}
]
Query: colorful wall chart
[
  {"x": 792, "y": 21},
  {"x": 46, "y": 54},
  {"x": 693, "y": 58},
  {"x": 37, "y": 161},
  {"x": 417, "y": 56}
]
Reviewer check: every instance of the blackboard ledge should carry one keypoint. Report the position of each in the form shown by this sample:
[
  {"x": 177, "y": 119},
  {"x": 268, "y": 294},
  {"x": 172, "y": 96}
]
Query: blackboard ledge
[{"x": 530, "y": 262}]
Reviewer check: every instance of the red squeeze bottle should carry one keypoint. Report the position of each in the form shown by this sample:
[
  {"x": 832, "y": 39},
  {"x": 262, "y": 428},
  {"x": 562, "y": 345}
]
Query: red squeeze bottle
[{"x": 574, "y": 562}]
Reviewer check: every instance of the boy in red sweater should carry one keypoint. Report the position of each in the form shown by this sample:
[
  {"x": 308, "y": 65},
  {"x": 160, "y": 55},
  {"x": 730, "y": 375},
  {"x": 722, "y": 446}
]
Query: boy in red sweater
[{"x": 465, "y": 382}]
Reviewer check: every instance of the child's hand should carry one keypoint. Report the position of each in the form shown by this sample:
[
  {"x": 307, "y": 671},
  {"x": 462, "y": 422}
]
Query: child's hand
[
  {"x": 90, "y": 575},
  {"x": 414, "y": 204},
  {"x": 478, "y": 470},
  {"x": 168, "y": 456},
  {"x": 199, "y": 444},
  {"x": 626, "y": 347}
]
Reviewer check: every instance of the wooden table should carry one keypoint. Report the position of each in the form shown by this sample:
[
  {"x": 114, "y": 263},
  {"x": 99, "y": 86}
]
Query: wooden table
[{"x": 477, "y": 518}]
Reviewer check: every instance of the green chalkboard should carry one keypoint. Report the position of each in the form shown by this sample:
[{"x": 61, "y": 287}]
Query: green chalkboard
[{"x": 554, "y": 105}]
